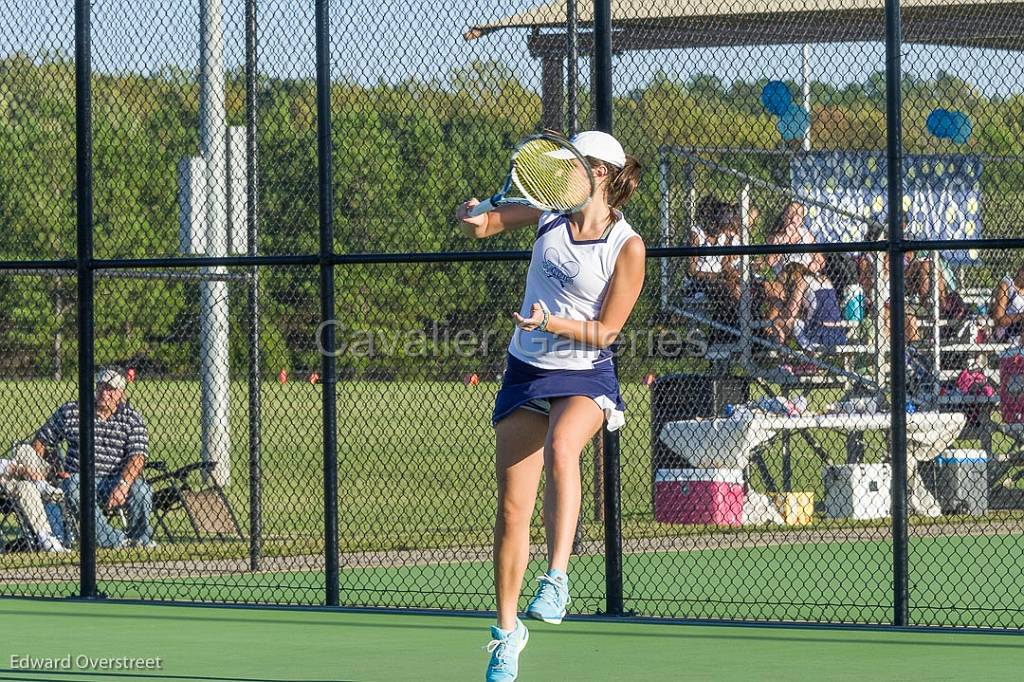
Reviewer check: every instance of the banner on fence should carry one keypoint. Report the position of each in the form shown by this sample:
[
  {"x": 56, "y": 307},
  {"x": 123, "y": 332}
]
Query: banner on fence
[{"x": 941, "y": 200}]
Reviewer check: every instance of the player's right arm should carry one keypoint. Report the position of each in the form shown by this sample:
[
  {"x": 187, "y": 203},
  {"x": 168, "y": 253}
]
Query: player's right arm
[{"x": 502, "y": 219}]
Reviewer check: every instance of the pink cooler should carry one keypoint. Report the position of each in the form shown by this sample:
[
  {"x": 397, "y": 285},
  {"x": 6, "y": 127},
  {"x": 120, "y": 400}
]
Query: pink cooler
[
  {"x": 699, "y": 496},
  {"x": 1011, "y": 386}
]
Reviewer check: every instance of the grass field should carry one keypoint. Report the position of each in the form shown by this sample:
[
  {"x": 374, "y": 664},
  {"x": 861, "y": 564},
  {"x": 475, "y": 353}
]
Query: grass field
[
  {"x": 418, "y": 475},
  {"x": 415, "y": 472},
  {"x": 281, "y": 646},
  {"x": 415, "y": 460}
]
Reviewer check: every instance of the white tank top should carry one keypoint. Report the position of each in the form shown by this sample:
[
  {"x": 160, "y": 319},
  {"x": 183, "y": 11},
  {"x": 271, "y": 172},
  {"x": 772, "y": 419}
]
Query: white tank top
[
  {"x": 713, "y": 264},
  {"x": 571, "y": 279}
]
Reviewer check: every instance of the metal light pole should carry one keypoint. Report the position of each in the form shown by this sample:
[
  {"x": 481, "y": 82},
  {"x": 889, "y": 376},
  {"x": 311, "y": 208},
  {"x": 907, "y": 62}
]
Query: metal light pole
[{"x": 213, "y": 296}]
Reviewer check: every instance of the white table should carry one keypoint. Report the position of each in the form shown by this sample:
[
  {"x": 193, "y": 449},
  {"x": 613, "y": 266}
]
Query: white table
[{"x": 728, "y": 442}]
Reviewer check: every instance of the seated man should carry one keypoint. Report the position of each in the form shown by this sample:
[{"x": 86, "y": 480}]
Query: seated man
[
  {"x": 23, "y": 479},
  {"x": 1008, "y": 307},
  {"x": 121, "y": 445}
]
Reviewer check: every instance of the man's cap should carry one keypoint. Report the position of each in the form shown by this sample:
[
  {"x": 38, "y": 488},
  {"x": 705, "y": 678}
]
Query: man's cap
[
  {"x": 112, "y": 378},
  {"x": 596, "y": 145}
]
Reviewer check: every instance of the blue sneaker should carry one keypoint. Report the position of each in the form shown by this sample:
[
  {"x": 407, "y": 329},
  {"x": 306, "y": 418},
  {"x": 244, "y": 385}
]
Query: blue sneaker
[
  {"x": 552, "y": 596},
  {"x": 505, "y": 648}
]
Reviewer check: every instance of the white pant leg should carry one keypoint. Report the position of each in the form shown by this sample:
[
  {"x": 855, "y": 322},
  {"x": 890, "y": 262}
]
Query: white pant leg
[{"x": 29, "y": 501}]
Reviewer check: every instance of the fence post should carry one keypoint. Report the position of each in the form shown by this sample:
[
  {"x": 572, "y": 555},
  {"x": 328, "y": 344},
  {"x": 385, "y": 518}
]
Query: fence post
[
  {"x": 897, "y": 343},
  {"x": 571, "y": 68},
  {"x": 612, "y": 504},
  {"x": 603, "y": 65},
  {"x": 84, "y": 219},
  {"x": 252, "y": 249},
  {"x": 324, "y": 156}
]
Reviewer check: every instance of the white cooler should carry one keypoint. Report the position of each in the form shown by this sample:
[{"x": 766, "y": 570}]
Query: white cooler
[{"x": 858, "y": 491}]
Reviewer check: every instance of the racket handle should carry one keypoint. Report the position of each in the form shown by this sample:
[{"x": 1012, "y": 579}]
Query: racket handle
[{"x": 481, "y": 208}]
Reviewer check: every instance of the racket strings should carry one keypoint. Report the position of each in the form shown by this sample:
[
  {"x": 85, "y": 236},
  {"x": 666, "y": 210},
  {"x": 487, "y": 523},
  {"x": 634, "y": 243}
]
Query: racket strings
[{"x": 562, "y": 184}]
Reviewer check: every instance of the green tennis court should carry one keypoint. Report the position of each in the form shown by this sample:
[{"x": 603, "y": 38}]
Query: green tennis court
[
  {"x": 277, "y": 645},
  {"x": 813, "y": 582}
]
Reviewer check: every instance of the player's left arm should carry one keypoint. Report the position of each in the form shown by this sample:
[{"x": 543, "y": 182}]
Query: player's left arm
[{"x": 623, "y": 291}]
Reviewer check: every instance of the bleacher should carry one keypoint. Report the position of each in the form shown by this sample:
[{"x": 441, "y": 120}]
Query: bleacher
[{"x": 942, "y": 352}]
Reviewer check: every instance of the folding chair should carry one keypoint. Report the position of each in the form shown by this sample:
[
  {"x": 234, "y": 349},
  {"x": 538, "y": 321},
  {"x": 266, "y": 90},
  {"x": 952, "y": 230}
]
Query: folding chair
[
  {"x": 191, "y": 489},
  {"x": 13, "y": 537}
]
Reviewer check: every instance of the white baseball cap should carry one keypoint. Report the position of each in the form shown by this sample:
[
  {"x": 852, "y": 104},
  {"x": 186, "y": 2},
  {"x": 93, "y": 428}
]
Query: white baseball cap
[
  {"x": 597, "y": 145},
  {"x": 112, "y": 378}
]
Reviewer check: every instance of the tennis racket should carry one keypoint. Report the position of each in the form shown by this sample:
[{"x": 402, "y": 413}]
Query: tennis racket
[{"x": 550, "y": 174}]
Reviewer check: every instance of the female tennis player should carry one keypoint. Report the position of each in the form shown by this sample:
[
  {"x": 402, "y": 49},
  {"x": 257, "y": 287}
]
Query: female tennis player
[{"x": 559, "y": 386}]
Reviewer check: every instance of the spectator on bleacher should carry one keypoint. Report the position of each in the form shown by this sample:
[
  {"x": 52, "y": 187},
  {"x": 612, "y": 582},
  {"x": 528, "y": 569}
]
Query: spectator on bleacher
[
  {"x": 121, "y": 445},
  {"x": 1008, "y": 307},
  {"x": 23, "y": 480},
  {"x": 919, "y": 288},
  {"x": 809, "y": 314},
  {"x": 716, "y": 276},
  {"x": 873, "y": 268},
  {"x": 841, "y": 270},
  {"x": 791, "y": 228}
]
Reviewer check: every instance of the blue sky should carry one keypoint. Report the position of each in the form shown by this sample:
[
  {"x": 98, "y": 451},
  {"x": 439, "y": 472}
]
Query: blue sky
[{"x": 423, "y": 39}]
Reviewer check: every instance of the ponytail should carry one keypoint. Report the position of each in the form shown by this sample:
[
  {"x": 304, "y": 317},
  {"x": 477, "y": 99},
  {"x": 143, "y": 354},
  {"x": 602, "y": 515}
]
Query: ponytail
[{"x": 622, "y": 182}]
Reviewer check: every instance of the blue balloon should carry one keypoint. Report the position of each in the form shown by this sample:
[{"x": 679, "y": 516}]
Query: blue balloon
[
  {"x": 794, "y": 123},
  {"x": 937, "y": 123},
  {"x": 776, "y": 97},
  {"x": 960, "y": 127},
  {"x": 949, "y": 125}
]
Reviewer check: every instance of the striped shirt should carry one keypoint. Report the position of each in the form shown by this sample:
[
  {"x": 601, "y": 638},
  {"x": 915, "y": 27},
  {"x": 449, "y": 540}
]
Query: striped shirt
[{"x": 117, "y": 437}]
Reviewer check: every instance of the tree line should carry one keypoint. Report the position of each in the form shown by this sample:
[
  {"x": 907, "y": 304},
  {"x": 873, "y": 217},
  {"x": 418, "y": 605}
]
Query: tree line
[{"x": 404, "y": 155}]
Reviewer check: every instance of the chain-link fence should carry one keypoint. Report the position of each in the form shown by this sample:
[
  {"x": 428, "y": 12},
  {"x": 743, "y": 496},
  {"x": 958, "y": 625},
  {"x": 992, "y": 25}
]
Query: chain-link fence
[{"x": 234, "y": 245}]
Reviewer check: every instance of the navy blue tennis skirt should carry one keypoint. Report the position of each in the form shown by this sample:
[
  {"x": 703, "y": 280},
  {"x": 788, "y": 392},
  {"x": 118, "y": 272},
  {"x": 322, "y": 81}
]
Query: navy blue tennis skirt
[{"x": 525, "y": 384}]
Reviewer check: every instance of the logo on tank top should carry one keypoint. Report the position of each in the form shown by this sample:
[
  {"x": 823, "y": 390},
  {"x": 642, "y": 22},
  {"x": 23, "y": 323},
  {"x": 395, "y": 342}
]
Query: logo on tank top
[{"x": 555, "y": 268}]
